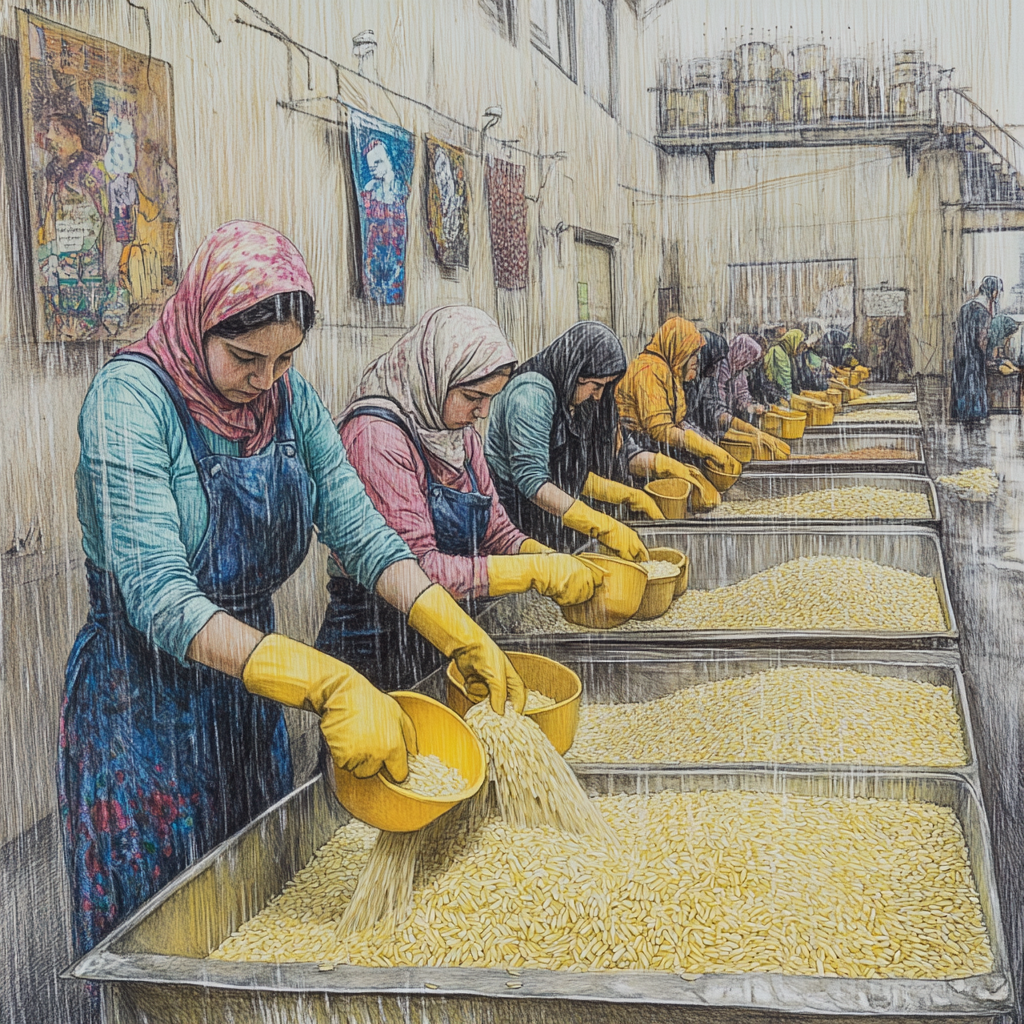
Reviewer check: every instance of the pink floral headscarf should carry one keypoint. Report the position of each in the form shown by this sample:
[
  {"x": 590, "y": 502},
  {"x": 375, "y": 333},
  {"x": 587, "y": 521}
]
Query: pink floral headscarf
[{"x": 239, "y": 264}]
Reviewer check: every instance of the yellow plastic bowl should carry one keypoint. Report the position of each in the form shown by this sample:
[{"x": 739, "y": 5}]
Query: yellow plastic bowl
[
  {"x": 793, "y": 424},
  {"x": 771, "y": 423},
  {"x": 820, "y": 408},
  {"x": 821, "y": 415},
  {"x": 835, "y": 397},
  {"x": 676, "y": 558},
  {"x": 722, "y": 481},
  {"x": 559, "y": 721},
  {"x": 381, "y": 803},
  {"x": 616, "y": 598},
  {"x": 741, "y": 451},
  {"x": 658, "y": 595},
  {"x": 670, "y": 495}
]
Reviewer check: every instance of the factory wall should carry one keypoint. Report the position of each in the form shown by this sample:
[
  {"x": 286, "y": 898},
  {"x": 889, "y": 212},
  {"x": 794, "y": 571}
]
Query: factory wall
[
  {"x": 241, "y": 154},
  {"x": 837, "y": 203}
]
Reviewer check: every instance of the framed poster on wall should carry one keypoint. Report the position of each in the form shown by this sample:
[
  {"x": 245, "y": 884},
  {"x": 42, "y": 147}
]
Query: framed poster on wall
[{"x": 102, "y": 181}]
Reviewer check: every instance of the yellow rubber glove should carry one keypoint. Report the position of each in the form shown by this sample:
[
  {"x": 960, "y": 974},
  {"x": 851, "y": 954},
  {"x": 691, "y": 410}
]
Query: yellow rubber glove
[
  {"x": 601, "y": 489},
  {"x": 664, "y": 466},
  {"x": 704, "y": 494},
  {"x": 534, "y": 547},
  {"x": 437, "y": 618},
  {"x": 364, "y": 728},
  {"x": 766, "y": 447},
  {"x": 719, "y": 458},
  {"x": 566, "y": 579},
  {"x": 612, "y": 534}
]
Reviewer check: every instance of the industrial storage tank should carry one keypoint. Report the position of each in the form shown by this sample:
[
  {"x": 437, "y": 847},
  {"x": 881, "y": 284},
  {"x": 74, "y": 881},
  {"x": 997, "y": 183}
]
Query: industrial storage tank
[
  {"x": 905, "y": 81},
  {"x": 810, "y": 63},
  {"x": 846, "y": 95},
  {"x": 753, "y": 66}
]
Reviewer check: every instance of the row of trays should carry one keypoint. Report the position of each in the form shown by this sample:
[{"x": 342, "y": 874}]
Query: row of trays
[{"x": 153, "y": 967}]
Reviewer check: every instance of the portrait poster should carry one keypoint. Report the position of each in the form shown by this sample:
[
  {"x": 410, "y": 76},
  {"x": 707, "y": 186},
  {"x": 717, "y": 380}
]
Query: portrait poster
[
  {"x": 102, "y": 179},
  {"x": 448, "y": 203},
  {"x": 382, "y": 162},
  {"x": 506, "y": 204}
]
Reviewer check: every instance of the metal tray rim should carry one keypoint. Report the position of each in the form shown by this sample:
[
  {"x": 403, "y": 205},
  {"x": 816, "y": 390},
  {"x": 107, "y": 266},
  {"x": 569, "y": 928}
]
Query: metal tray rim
[
  {"x": 867, "y": 427},
  {"x": 916, "y": 466},
  {"x": 982, "y": 995}
]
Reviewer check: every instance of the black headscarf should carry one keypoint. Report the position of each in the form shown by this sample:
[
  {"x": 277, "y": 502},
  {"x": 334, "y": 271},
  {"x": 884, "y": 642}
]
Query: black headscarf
[
  {"x": 583, "y": 441},
  {"x": 715, "y": 349}
]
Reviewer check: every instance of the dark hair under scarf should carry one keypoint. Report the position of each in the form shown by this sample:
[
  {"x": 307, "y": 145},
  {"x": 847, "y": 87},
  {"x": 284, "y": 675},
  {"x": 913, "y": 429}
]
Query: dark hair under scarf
[
  {"x": 583, "y": 441},
  {"x": 836, "y": 347},
  {"x": 715, "y": 349}
]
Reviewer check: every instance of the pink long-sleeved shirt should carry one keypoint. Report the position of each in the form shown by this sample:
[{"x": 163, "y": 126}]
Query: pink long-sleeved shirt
[{"x": 394, "y": 477}]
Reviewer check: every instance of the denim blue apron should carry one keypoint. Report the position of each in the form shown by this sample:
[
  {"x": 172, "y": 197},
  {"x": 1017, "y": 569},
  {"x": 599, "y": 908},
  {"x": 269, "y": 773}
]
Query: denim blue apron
[
  {"x": 160, "y": 761},
  {"x": 366, "y": 632}
]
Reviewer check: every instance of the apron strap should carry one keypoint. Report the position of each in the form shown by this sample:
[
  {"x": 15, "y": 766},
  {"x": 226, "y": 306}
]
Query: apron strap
[
  {"x": 285, "y": 426},
  {"x": 200, "y": 449}
]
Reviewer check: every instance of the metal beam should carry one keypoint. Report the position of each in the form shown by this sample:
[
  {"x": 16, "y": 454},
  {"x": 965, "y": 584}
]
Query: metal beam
[
  {"x": 981, "y": 220},
  {"x": 849, "y": 133}
]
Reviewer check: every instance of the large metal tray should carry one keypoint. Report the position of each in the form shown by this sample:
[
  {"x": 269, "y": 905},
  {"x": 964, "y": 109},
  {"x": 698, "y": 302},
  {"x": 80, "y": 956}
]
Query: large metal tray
[
  {"x": 848, "y": 441},
  {"x": 614, "y": 674},
  {"x": 726, "y": 555},
  {"x": 881, "y": 388},
  {"x": 876, "y": 427},
  {"x": 151, "y": 969},
  {"x": 763, "y": 484}
]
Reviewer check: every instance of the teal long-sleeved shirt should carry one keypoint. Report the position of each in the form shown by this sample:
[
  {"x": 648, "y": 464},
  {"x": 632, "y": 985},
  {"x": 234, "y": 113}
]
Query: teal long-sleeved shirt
[
  {"x": 518, "y": 445},
  {"x": 144, "y": 513}
]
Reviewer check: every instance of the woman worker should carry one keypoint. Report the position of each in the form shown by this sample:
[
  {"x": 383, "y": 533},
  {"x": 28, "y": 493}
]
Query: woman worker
[
  {"x": 731, "y": 377},
  {"x": 653, "y": 405},
  {"x": 968, "y": 391},
  {"x": 813, "y": 371},
  {"x": 780, "y": 361},
  {"x": 838, "y": 348},
  {"x": 553, "y": 439},
  {"x": 205, "y": 463},
  {"x": 705, "y": 409},
  {"x": 1001, "y": 330},
  {"x": 763, "y": 391},
  {"x": 409, "y": 433}
]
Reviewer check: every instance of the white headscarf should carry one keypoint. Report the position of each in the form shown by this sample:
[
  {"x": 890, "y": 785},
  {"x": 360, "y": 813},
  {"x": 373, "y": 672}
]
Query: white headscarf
[{"x": 451, "y": 345}]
